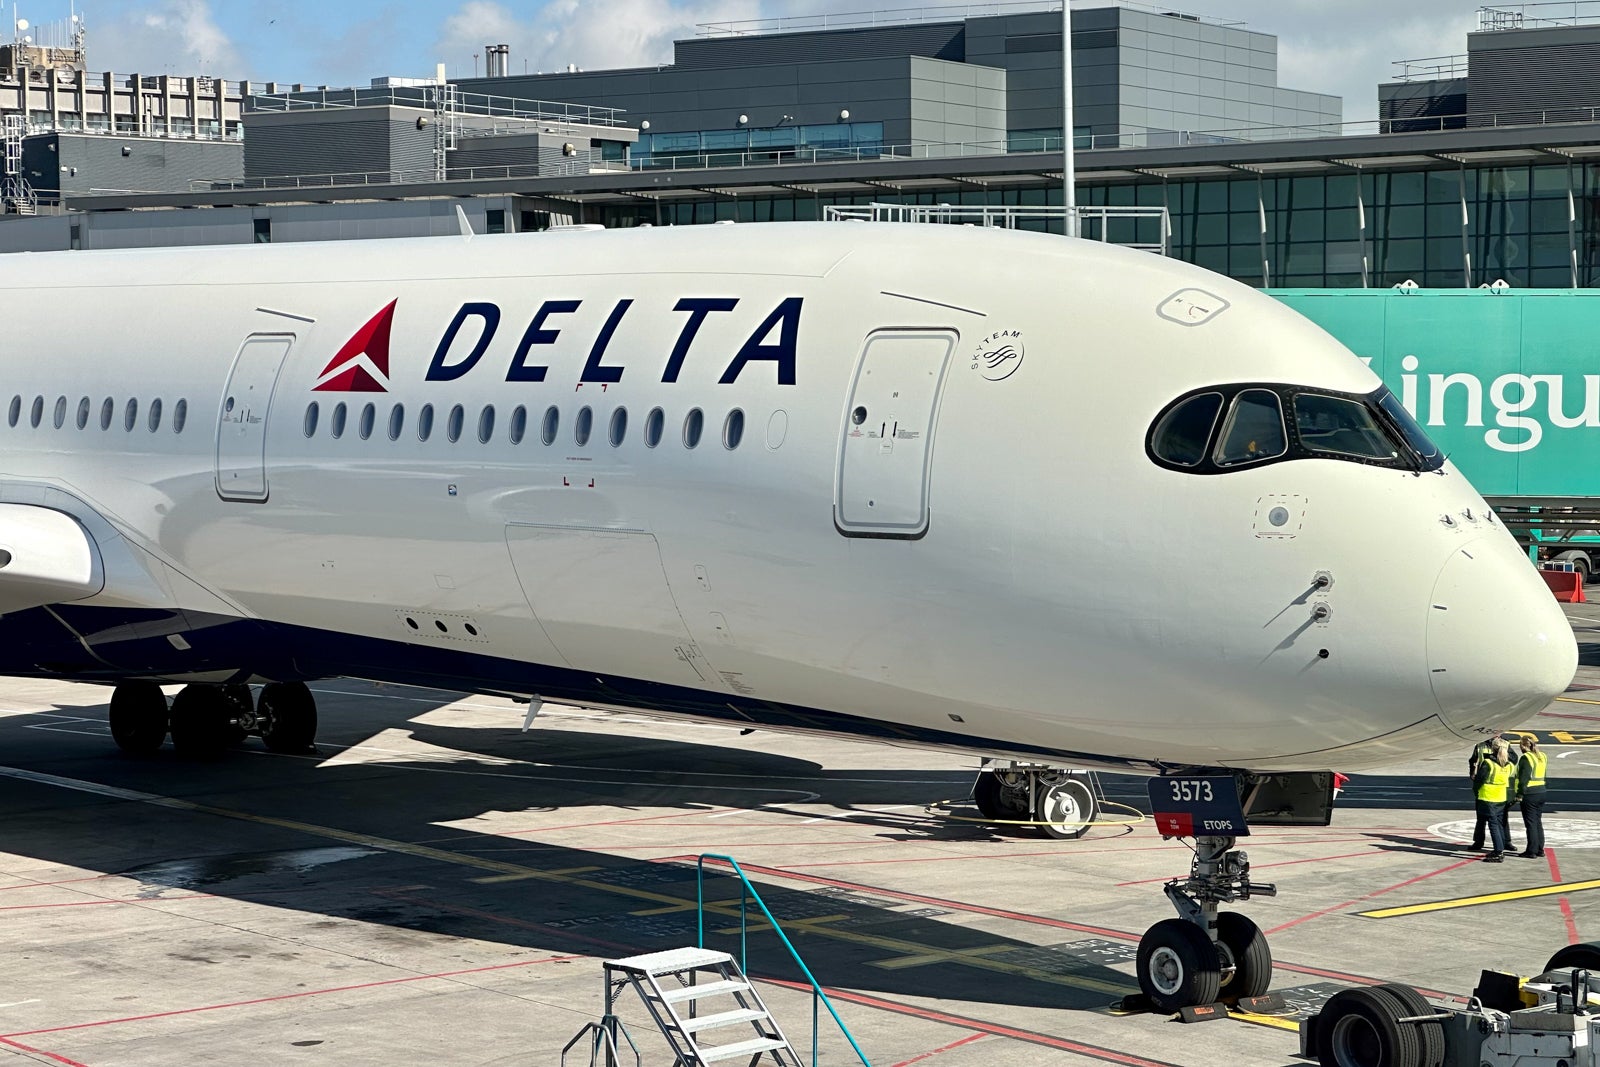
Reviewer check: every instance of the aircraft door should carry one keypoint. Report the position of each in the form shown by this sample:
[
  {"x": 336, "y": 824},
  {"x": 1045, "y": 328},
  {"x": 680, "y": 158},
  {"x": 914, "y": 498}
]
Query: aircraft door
[
  {"x": 882, "y": 488},
  {"x": 242, "y": 427}
]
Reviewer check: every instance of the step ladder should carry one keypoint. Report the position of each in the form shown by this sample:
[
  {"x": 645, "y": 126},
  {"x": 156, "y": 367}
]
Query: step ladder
[{"x": 696, "y": 993}]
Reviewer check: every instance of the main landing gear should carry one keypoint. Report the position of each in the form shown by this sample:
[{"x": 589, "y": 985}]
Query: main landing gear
[
  {"x": 1061, "y": 803},
  {"x": 204, "y": 720},
  {"x": 1205, "y": 954}
]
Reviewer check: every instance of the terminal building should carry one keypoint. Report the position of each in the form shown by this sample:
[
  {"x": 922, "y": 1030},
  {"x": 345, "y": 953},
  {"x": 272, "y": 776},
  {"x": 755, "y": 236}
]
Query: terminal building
[{"x": 757, "y": 122}]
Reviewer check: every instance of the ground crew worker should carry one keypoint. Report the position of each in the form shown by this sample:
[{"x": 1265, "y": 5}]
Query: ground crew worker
[
  {"x": 1531, "y": 789},
  {"x": 1482, "y": 752},
  {"x": 1493, "y": 782}
]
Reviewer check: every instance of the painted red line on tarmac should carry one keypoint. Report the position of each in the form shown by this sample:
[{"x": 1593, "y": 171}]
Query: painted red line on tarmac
[
  {"x": 288, "y": 996},
  {"x": 64, "y": 881},
  {"x": 1555, "y": 868},
  {"x": 1369, "y": 896},
  {"x": 969, "y": 1039},
  {"x": 1041, "y": 920},
  {"x": 42, "y": 1052},
  {"x": 1566, "y": 905},
  {"x": 1032, "y": 1037},
  {"x": 615, "y": 822},
  {"x": 1280, "y": 863},
  {"x": 94, "y": 903}
]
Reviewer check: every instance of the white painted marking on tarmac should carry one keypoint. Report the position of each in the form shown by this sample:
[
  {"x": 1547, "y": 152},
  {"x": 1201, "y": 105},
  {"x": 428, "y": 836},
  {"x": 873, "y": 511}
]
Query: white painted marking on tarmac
[
  {"x": 19, "y": 1003},
  {"x": 1558, "y": 833},
  {"x": 725, "y": 814},
  {"x": 78, "y": 785}
]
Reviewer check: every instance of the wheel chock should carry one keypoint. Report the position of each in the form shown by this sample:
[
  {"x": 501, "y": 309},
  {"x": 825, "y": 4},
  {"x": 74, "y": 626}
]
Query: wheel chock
[
  {"x": 1202, "y": 1013},
  {"x": 1267, "y": 1004},
  {"x": 1134, "y": 1002}
]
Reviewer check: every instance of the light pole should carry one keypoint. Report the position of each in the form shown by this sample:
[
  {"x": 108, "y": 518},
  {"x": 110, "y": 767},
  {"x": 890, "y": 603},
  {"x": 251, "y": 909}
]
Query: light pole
[{"x": 1069, "y": 169}]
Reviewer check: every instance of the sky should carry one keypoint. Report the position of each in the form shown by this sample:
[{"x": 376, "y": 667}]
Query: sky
[{"x": 1344, "y": 48}]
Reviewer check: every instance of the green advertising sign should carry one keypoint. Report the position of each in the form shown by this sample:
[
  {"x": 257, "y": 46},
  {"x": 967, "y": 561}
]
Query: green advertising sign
[{"x": 1507, "y": 383}]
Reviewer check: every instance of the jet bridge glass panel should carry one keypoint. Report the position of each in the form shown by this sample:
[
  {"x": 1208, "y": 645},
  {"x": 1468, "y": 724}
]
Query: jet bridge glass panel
[
  {"x": 885, "y": 453},
  {"x": 242, "y": 425}
]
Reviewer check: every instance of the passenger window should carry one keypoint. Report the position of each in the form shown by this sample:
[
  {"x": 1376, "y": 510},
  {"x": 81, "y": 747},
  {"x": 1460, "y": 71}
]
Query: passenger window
[
  {"x": 313, "y": 413},
  {"x": 369, "y": 420},
  {"x": 454, "y": 424},
  {"x": 155, "y": 414},
  {"x": 108, "y": 408},
  {"x": 1253, "y": 431},
  {"x": 654, "y": 424},
  {"x": 397, "y": 421},
  {"x": 425, "y": 422},
  {"x": 519, "y": 424},
  {"x": 486, "y": 424},
  {"x": 1180, "y": 438},
  {"x": 16, "y": 409},
  {"x": 582, "y": 426},
  {"x": 61, "y": 412},
  {"x": 130, "y": 415},
  {"x": 733, "y": 429},
  {"x": 38, "y": 411},
  {"x": 619, "y": 426},
  {"x": 694, "y": 425},
  {"x": 1331, "y": 424},
  {"x": 85, "y": 406},
  {"x": 552, "y": 424},
  {"x": 180, "y": 415},
  {"x": 336, "y": 424}
]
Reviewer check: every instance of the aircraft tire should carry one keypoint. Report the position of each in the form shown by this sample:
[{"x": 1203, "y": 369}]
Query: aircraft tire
[
  {"x": 1585, "y": 956},
  {"x": 1252, "y": 957},
  {"x": 138, "y": 717},
  {"x": 1066, "y": 811},
  {"x": 201, "y": 721},
  {"x": 1361, "y": 1028},
  {"x": 994, "y": 801},
  {"x": 1430, "y": 1035},
  {"x": 1178, "y": 966},
  {"x": 288, "y": 715}
]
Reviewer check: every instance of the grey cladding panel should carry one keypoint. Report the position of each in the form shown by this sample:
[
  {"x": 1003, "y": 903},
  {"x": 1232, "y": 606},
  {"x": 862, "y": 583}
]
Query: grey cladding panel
[
  {"x": 1556, "y": 81},
  {"x": 943, "y": 40}
]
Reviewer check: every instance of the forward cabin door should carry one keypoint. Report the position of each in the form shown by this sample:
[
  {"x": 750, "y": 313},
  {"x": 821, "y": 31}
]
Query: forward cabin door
[
  {"x": 242, "y": 429},
  {"x": 885, "y": 455}
]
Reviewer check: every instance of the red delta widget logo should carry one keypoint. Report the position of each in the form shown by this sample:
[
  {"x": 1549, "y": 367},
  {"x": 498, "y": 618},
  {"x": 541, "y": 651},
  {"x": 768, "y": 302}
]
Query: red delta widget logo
[{"x": 362, "y": 364}]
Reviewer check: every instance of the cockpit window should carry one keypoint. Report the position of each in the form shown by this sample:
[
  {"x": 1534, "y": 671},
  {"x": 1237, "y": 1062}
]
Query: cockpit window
[
  {"x": 1182, "y": 434},
  {"x": 1221, "y": 428},
  {"x": 1345, "y": 427},
  {"x": 1254, "y": 430},
  {"x": 1415, "y": 435}
]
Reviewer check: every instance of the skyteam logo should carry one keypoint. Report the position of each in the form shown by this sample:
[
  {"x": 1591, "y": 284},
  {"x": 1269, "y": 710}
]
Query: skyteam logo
[
  {"x": 999, "y": 355},
  {"x": 362, "y": 365}
]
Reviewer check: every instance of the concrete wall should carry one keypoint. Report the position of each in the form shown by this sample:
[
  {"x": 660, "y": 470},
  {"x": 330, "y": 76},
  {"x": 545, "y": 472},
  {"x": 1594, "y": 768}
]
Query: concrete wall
[{"x": 81, "y": 164}]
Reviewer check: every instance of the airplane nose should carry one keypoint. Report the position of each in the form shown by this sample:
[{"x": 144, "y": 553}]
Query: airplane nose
[{"x": 1499, "y": 646}]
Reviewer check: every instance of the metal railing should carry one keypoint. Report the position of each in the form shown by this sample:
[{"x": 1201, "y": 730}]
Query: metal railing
[
  {"x": 1430, "y": 68},
  {"x": 747, "y": 892},
  {"x": 899, "y": 16},
  {"x": 413, "y": 176},
  {"x": 423, "y": 96},
  {"x": 1095, "y": 222},
  {"x": 1532, "y": 16}
]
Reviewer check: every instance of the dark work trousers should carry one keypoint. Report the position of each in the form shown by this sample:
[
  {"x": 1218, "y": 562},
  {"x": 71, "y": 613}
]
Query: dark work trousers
[
  {"x": 1533, "y": 820},
  {"x": 1504, "y": 821},
  {"x": 1492, "y": 814}
]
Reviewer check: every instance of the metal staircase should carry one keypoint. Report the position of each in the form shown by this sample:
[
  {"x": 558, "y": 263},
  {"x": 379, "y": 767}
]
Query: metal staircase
[{"x": 677, "y": 984}]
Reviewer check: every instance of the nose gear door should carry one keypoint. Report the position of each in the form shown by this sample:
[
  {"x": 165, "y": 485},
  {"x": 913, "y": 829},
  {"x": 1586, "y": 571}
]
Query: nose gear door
[
  {"x": 242, "y": 427},
  {"x": 885, "y": 453}
]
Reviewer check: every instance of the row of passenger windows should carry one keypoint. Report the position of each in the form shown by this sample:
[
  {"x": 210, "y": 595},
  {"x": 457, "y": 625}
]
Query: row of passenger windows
[
  {"x": 107, "y": 416},
  {"x": 1222, "y": 429},
  {"x": 340, "y": 417}
]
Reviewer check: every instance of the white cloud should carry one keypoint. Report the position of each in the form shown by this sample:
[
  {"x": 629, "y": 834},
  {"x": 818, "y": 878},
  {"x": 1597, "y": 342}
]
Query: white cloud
[{"x": 173, "y": 36}]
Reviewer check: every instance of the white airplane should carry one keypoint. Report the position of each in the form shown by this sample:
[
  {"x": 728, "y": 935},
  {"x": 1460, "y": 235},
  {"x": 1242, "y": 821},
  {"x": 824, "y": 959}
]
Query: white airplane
[{"x": 1044, "y": 500}]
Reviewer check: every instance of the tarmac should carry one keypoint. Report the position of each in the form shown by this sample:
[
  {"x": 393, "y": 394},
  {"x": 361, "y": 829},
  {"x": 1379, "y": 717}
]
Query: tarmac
[{"x": 434, "y": 885}]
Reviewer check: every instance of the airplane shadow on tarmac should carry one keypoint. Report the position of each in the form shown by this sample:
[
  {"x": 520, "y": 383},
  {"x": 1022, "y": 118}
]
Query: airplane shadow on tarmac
[{"x": 373, "y": 843}]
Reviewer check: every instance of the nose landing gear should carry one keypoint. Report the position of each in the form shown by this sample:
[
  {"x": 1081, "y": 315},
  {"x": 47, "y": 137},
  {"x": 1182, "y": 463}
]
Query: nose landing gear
[{"x": 1208, "y": 954}]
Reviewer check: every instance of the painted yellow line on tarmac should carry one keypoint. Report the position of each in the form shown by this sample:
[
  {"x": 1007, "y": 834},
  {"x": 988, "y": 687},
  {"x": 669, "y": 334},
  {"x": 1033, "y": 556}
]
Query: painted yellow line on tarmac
[
  {"x": 1576, "y": 700},
  {"x": 1276, "y": 1021},
  {"x": 1486, "y": 898}
]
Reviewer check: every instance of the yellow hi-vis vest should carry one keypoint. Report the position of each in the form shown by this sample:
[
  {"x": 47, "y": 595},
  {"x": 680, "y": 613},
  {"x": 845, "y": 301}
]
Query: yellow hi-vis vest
[
  {"x": 1494, "y": 788},
  {"x": 1537, "y": 761}
]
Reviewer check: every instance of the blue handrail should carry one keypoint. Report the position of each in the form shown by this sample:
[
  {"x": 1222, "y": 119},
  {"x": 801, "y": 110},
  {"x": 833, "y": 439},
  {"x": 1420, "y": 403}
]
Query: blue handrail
[{"x": 748, "y": 892}]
